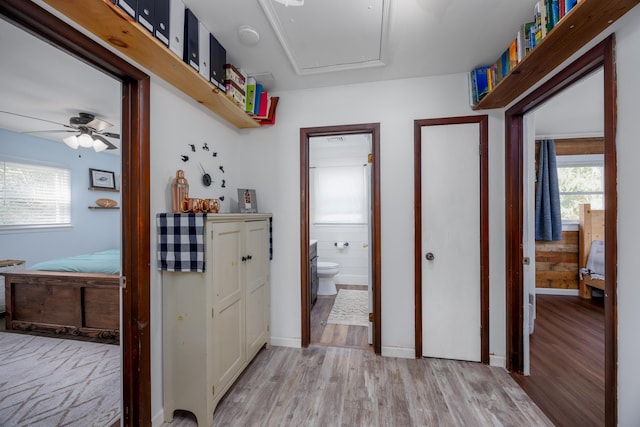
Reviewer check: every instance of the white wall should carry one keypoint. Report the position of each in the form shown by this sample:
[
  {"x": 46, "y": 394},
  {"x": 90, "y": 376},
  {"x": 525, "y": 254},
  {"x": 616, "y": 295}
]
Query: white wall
[{"x": 274, "y": 163}]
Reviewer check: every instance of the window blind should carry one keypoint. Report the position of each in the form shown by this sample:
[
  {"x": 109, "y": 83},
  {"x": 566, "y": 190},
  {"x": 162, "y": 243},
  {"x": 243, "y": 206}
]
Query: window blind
[{"x": 34, "y": 195}]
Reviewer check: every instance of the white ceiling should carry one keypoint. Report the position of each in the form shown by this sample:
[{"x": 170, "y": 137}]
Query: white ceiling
[{"x": 418, "y": 38}]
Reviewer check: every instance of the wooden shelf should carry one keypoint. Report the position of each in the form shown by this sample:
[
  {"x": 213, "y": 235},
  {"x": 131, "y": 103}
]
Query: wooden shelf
[
  {"x": 585, "y": 21},
  {"x": 103, "y": 207},
  {"x": 112, "y": 190},
  {"x": 114, "y": 26}
]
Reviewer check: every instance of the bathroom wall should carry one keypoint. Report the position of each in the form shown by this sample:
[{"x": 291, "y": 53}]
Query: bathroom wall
[{"x": 346, "y": 150}]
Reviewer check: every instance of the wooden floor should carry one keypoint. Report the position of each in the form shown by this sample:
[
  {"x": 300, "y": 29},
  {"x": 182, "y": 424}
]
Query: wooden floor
[
  {"x": 333, "y": 386},
  {"x": 323, "y": 333},
  {"x": 567, "y": 360}
]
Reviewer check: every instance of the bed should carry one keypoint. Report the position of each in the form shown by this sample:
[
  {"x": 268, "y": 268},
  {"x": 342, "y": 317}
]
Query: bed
[
  {"x": 75, "y": 296},
  {"x": 591, "y": 250}
]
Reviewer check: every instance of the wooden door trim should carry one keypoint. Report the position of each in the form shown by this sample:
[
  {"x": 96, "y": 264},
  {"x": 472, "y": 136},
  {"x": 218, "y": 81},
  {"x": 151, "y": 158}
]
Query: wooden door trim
[
  {"x": 483, "y": 124},
  {"x": 135, "y": 194},
  {"x": 602, "y": 55},
  {"x": 305, "y": 316}
]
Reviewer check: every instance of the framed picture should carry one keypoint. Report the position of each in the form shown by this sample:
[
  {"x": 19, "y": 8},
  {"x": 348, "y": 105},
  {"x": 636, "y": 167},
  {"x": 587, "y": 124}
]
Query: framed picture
[
  {"x": 247, "y": 202},
  {"x": 102, "y": 179}
]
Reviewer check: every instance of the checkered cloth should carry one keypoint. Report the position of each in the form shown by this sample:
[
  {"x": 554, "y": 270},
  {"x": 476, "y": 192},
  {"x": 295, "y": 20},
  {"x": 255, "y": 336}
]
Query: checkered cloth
[{"x": 181, "y": 241}]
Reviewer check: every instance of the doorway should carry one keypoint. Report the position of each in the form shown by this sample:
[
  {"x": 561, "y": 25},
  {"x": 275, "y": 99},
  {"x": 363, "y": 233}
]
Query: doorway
[
  {"x": 370, "y": 132},
  {"x": 600, "y": 56},
  {"x": 135, "y": 244},
  {"x": 451, "y": 154}
]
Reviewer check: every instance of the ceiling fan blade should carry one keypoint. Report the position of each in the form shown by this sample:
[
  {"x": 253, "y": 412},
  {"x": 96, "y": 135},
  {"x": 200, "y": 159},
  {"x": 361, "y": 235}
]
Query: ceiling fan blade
[
  {"x": 109, "y": 145},
  {"x": 99, "y": 125},
  {"x": 110, "y": 134},
  {"x": 52, "y": 131},
  {"x": 36, "y": 118}
]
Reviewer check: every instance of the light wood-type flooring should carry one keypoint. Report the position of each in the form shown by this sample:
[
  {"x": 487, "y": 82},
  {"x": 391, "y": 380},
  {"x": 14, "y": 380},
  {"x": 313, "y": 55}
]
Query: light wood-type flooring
[
  {"x": 338, "y": 386},
  {"x": 567, "y": 360},
  {"x": 323, "y": 333}
]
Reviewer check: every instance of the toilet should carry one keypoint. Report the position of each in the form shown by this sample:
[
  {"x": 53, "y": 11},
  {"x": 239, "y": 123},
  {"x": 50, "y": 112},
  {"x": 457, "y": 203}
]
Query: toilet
[{"x": 326, "y": 277}]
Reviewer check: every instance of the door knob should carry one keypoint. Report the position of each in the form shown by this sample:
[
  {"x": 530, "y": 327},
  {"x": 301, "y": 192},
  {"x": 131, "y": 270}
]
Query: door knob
[{"x": 429, "y": 256}]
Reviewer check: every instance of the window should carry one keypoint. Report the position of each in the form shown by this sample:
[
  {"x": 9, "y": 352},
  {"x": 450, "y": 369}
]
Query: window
[
  {"x": 340, "y": 195},
  {"x": 581, "y": 180},
  {"x": 34, "y": 196}
]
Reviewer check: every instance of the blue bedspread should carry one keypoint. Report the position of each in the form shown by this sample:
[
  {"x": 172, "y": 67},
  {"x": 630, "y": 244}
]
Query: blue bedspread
[{"x": 107, "y": 262}]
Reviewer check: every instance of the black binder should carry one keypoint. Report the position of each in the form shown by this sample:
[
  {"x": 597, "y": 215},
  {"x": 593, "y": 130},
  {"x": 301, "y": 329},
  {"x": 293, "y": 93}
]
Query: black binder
[
  {"x": 191, "y": 56},
  {"x": 146, "y": 14},
  {"x": 218, "y": 59},
  {"x": 161, "y": 24},
  {"x": 129, "y": 6}
]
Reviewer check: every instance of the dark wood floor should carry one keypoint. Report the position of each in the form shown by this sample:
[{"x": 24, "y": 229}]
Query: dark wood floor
[
  {"x": 567, "y": 360},
  {"x": 335, "y": 335}
]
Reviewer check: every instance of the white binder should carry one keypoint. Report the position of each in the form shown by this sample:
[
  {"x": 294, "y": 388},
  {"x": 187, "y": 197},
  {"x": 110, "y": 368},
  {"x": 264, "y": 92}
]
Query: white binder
[
  {"x": 204, "y": 55},
  {"x": 176, "y": 27}
]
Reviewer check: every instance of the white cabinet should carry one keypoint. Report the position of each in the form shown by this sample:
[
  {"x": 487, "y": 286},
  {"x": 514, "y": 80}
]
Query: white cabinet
[{"x": 215, "y": 322}]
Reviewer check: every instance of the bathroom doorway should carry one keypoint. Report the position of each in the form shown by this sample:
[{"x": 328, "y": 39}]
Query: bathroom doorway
[{"x": 340, "y": 236}]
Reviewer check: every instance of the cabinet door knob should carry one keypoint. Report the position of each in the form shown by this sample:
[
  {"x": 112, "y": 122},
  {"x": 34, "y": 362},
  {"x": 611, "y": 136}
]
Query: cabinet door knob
[
  {"x": 244, "y": 259},
  {"x": 248, "y": 257}
]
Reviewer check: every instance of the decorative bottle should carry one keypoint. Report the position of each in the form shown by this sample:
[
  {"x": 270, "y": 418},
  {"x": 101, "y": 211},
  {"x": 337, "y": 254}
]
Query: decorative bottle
[{"x": 179, "y": 191}]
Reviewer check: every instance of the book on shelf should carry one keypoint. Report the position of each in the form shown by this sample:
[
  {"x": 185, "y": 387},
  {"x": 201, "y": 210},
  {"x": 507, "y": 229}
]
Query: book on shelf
[
  {"x": 513, "y": 54},
  {"x": 250, "y": 95},
  {"x": 524, "y": 40},
  {"x": 269, "y": 118},
  {"x": 479, "y": 83},
  {"x": 258, "y": 95}
]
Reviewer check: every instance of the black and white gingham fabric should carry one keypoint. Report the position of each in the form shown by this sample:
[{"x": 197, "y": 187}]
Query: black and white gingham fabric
[{"x": 181, "y": 241}]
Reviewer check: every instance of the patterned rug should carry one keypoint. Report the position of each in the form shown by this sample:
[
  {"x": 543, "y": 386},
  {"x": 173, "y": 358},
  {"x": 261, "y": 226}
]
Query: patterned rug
[
  {"x": 350, "y": 307},
  {"x": 48, "y": 382}
]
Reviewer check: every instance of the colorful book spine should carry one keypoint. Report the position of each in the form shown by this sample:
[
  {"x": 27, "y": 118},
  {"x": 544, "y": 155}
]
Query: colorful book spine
[
  {"x": 479, "y": 83},
  {"x": 569, "y": 4},
  {"x": 258, "y": 95},
  {"x": 250, "y": 95}
]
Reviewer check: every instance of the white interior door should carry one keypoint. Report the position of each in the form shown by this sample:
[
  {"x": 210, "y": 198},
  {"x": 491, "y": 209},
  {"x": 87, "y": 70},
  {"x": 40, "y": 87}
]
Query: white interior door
[{"x": 451, "y": 242}]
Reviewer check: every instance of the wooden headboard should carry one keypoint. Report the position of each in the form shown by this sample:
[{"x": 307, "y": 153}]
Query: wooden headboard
[{"x": 591, "y": 228}]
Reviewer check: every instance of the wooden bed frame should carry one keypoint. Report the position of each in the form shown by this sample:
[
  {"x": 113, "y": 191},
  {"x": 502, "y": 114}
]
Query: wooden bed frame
[
  {"x": 62, "y": 303},
  {"x": 591, "y": 228}
]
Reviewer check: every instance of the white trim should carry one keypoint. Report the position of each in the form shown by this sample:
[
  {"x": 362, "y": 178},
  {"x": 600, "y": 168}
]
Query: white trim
[
  {"x": 497, "y": 361},
  {"x": 158, "y": 420},
  {"x": 401, "y": 352},
  {"x": 286, "y": 342},
  {"x": 553, "y": 291},
  {"x": 571, "y": 135}
]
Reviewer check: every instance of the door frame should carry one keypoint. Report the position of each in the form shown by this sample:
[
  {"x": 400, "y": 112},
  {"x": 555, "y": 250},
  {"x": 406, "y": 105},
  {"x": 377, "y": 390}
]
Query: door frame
[
  {"x": 602, "y": 55},
  {"x": 483, "y": 127},
  {"x": 135, "y": 244},
  {"x": 305, "y": 295}
]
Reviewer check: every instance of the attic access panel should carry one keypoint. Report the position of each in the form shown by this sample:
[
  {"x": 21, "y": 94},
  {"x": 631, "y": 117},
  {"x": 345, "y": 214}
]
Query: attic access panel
[{"x": 331, "y": 35}]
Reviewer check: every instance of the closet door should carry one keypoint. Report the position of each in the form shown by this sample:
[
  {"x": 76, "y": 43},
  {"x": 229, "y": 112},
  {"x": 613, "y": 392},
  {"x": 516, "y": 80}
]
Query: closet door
[
  {"x": 451, "y": 242},
  {"x": 225, "y": 258},
  {"x": 256, "y": 262}
]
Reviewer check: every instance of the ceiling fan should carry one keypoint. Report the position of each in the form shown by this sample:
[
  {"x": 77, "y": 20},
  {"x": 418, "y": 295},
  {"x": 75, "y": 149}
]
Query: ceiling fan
[{"x": 89, "y": 131}]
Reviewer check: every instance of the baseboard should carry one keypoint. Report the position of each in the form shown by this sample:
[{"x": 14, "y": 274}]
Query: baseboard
[
  {"x": 401, "y": 352},
  {"x": 497, "y": 361},
  {"x": 158, "y": 419},
  {"x": 553, "y": 291},
  {"x": 286, "y": 342},
  {"x": 351, "y": 279}
]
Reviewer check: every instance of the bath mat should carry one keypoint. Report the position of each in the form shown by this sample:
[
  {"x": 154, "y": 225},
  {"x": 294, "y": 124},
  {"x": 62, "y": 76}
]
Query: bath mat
[{"x": 350, "y": 307}]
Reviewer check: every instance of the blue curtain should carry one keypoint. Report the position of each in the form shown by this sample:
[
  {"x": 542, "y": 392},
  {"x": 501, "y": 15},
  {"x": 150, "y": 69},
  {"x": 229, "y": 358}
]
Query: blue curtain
[{"x": 548, "y": 218}]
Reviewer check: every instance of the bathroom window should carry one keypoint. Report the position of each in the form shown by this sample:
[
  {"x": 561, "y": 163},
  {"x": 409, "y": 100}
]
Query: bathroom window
[{"x": 339, "y": 195}]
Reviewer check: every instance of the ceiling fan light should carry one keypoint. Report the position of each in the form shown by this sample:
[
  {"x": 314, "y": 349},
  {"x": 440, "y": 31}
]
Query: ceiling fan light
[
  {"x": 85, "y": 140},
  {"x": 71, "y": 141},
  {"x": 99, "y": 145}
]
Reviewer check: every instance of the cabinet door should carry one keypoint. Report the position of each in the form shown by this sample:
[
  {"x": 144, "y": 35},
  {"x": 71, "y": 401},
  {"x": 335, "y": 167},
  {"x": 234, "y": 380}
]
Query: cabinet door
[
  {"x": 228, "y": 303},
  {"x": 257, "y": 284}
]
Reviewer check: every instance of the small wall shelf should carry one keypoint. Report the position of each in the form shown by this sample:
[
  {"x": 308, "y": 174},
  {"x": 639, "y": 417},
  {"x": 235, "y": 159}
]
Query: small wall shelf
[
  {"x": 114, "y": 26},
  {"x": 585, "y": 21},
  {"x": 104, "y": 189},
  {"x": 103, "y": 207}
]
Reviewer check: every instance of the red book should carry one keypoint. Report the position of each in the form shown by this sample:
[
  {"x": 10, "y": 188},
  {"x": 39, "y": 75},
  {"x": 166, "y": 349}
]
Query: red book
[{"x": 264, "y": 104}]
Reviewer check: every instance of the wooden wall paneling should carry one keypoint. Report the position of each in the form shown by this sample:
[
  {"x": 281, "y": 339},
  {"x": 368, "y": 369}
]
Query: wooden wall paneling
[{"x": 557, "y": 262}]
